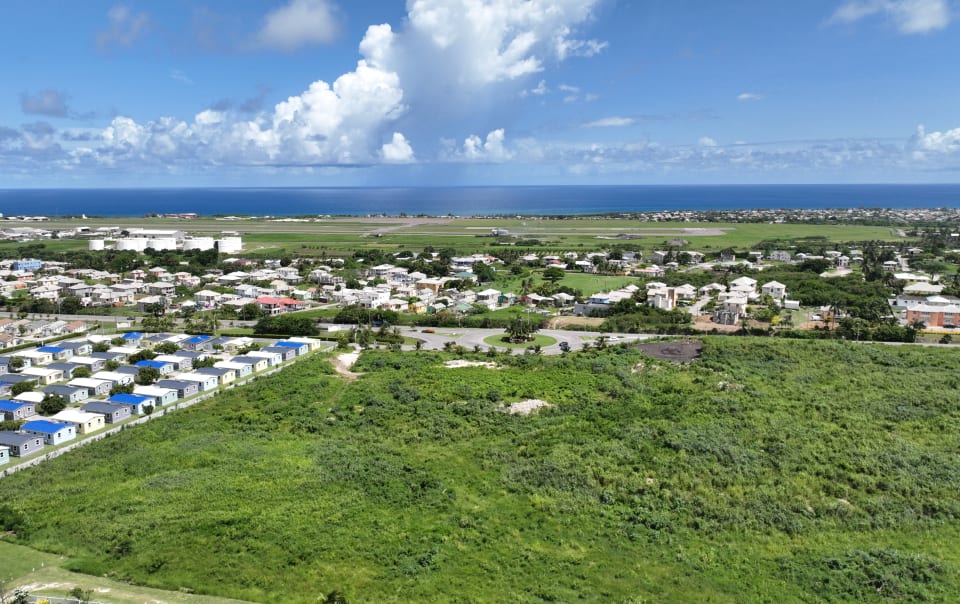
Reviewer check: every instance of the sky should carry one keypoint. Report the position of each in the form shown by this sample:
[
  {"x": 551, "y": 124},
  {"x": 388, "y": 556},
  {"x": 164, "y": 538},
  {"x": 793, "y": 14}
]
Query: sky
[{"x": 185, "y": 93}]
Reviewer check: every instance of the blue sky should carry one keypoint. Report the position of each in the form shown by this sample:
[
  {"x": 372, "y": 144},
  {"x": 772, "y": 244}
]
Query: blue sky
[{"x": 450, "y": 92}]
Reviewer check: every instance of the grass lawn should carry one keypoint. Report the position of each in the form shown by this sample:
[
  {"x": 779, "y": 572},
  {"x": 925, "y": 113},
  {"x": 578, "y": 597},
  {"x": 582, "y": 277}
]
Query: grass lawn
[{"x": 538, "y": 340}]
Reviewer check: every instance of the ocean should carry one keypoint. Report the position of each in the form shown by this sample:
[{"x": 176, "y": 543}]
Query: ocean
[{"x": 469, "y": 201}]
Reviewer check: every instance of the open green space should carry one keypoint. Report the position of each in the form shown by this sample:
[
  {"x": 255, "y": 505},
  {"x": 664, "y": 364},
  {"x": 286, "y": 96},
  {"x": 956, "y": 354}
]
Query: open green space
[
  {"x": 768, "y": 470},
  {"x": 535, "y": 340}
]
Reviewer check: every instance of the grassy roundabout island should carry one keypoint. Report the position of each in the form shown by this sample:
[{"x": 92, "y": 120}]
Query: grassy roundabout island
[{"x": 502, "y": 341}]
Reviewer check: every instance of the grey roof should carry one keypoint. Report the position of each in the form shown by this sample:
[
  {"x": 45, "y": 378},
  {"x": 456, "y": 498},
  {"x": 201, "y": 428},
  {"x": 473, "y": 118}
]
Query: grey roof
[
  {"x": 284, "y": 350},
  {"x": 130, "y": 369},
  {"x": 192, "y": 354},
  {"x": 213, "y": 371},
  {"x": 64, "y": 366},
  {"x": 73, "y": 345},
  {"x": 104, "y": 407},
  {"x": 107, "y": 356},
  {"x": 60, "y": 389},
  {"x": 16, "y": 439},
  {"x": 175, "y": 384}
]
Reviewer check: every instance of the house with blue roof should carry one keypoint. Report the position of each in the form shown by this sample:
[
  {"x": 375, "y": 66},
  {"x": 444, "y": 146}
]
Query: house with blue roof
[
  {"x": 20, "y": 444},
  {"x": 132, "y": 337},
  {"x": 58, "y": 353},
  {"x": 17, "y": 410},
  {"x": 136, "y": 403},
  {"x": 200, "y": 342},
  {"x": 302, "y": 348},
  {"x": 164, "y": 367},
  {"x": 52, "y": 433}
]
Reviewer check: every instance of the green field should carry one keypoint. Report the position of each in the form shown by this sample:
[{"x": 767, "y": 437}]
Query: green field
[
  {"x": 769, "y": 470},
  {"x": 538, "y": 340}
]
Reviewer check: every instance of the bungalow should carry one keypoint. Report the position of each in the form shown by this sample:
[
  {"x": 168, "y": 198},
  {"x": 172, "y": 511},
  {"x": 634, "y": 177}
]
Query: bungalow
[
  {"x": 91, "y": 363},
  {"x": 108, "y": 356},
  {"x": 163, "y": 396},
  {"x": 312, "y": 343},
  {"x": 132, "y": 337},
  {"x": 44, "y": 376},
  {"x": 59, "y": 353},
  {"x": 69, "y": 393},
  {"x": 207, "y": 298},
  {"x": 52, "y": 433},
  {"x": 112, "y": 412},
  {"x": 124, "y": 351},
  {"x": 16, "y": 378},
  {"x": 30, "y": 396},
  {"x": 300, "y": 347},
  {"x": 744, "y": 284},
  {"x": 182, "y": 388},
  {"x": 115, "y": 377},
  {"x": 273, "y": 358},
  {"x": 242, "y": 369},
  {"x": 197, "y": 343},
  {"x": 7, "y": 340},
  {"x": 489, "y": 298},
  {"x": 4, "y": 455},
  {"x": 129, "y": 370},
  {"x": 35, "y": 356},
  {"x": 67, "y": 368},
  {"x": 84, "y": 421},
  {"x": 164, "y": 367},
  {"x": 259, "y": 364},
  {"x": 135, "y": 402},
  {"x": 224, "y": 376},
  {"x": 180, "y": 363},
  {"x": 194, "y": 355},
  {"x": 93, "y": 386},
  {"x": 20, "y": 444},
  {"x": 203, "y": 381},
  {"x": 16, "y": 410}
]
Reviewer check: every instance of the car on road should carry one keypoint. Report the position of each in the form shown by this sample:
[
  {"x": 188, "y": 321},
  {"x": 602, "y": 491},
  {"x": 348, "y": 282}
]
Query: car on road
[{"x": 565, "y": 346}]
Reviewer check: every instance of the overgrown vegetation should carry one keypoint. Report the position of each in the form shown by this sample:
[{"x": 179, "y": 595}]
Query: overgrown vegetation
[{"x": 769, "y": 470}]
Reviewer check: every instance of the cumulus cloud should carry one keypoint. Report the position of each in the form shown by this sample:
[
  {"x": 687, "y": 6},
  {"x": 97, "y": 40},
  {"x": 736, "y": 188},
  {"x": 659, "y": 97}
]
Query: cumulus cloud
[
  {"x": 751, "y": 96},
  {"x": 299, "y": 23},
  {"x": 706, "y": 141},
  {"x": 124, "y": 27},
  {"x": 926, "y": 144},
  {"x": 397, "y": 151},
  {"x": 909, "y": 16},
  {"x": 51, "y": 103},
  {"x": 615, "y": 121},
  {"x": 493, "y": 149}
]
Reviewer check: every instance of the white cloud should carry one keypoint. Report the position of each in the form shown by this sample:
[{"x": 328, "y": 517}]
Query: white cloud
[
  {"x": 751, "y": 96},
  {"x": 181, "y": 77},
  {"x": 706, "y": 141},
  {"x": 926, "y": 144},
  {"x": 125, "y": 27},
  {"x": 611, "y": 122},
  {"x": 540, "y": 90},
  {"x": 397, "y": 151},
  {"x": 476, "y": 149},
  {"x": 299, "y": 23},
  {"x": 909, "y": 16}
]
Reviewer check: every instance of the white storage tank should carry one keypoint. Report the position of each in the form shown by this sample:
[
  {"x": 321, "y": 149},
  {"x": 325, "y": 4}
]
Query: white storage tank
[
  {"x": 135, "y": 245},
  {"x": 198, "y": 243},
  {"x": 95, "y": 245},
  {"x": 162, "y": 243},
  {"x": 230, "y": 245}
]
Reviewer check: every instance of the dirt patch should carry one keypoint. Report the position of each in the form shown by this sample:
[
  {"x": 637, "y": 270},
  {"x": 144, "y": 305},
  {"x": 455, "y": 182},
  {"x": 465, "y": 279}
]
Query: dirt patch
[
  {"x": 526, "y": 407},
  {"x": 343, "y": 362},
  {"x": 459, "y": 364},
  {"x": 563, "y": 322},
  {"x": 684, "y": 351}
]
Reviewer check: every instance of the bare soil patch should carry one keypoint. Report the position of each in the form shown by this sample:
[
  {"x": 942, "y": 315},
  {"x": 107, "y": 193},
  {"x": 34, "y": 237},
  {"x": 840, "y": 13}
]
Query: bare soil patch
[
  {"x": 562, "y": 322},
  {"x": 457, "y": 364},
  {"x": 684, "y": 351},
  {"x": 526, "y": 407},
  {"x": 343, "y": 362}
]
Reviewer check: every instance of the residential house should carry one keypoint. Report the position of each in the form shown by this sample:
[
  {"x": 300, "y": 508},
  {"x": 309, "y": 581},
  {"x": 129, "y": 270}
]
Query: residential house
[
  {"x": 242, "y": 369},
  {"x": 259, "y": 364},
  {"x": 4, "y": 455},
  {"x": 21, "y": 444},
  {"x": 163, "y": 396},
  {"x": 124, "y": 352},
  {"x": 164, "y": 367},
  {"x": 197, "y": 343},
  {"x": 43, "y": 375},
  {"x": 52, "y": 433},
  {"x": 116, "y": 378},
  {"x": 302, "y": 348},
  {"x": 16, "y": 410},
  {"x": 136, "y": 403},
  {"x": 108, "y": 356},
  {"x": 489, "y": 298},
  {"x": 59, "y": 353},
  {"x": 77, "y": 348},
  {"x": 91, "y": 363},
  {"x": 932, "y": 315},
  {"x": 69, "y": 393},
  {"x": 30, "y": 396},
  {"x": 224, "y": 376},
  {"x": 273, "y": 358},
  {"x": 183, "y": 388},
  {"x": 93, "y": 386},
  {"x": 203, "y": 381},
  {"x": 85, "y": 422},
  {"x": 774, "y": 289},
  {"x": 180, "y": 363},
  {"x": 112, "y": 412},
  {"x": 35, "y": 356}
]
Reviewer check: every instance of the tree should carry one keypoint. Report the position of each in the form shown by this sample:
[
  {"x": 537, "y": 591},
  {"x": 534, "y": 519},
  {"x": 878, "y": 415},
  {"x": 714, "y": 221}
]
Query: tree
[
  {"x": 52, "y": 404},
  {"x": 166, "y": 348},
  {"x": 553, "y": 274},
  {"x": 70, "y": 305},
  {"x": 484, "y": 272},
  {"x": 16, "y": 362},
  {"x": 101, "y": 347},
  {"x": 147, "y": 376},
  {"x": 118, "y": 341},
  {"x": 121, "y": 389},
  {"x": 82, "y": 372},
  {"x": 520, "y": 330},
  {"x": 250, "y": 312},
  {"x": 111, "y": 365},
  {"x": 143, "y": 355},
  {"x": 20, "y": 388}
]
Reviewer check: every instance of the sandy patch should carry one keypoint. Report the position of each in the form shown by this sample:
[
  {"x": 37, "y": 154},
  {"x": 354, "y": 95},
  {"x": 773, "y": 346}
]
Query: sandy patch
[
  {"x": 460, "y": 363},
  {"x": 526, "y": 407},
  {"x": 343, "y": 362}
]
